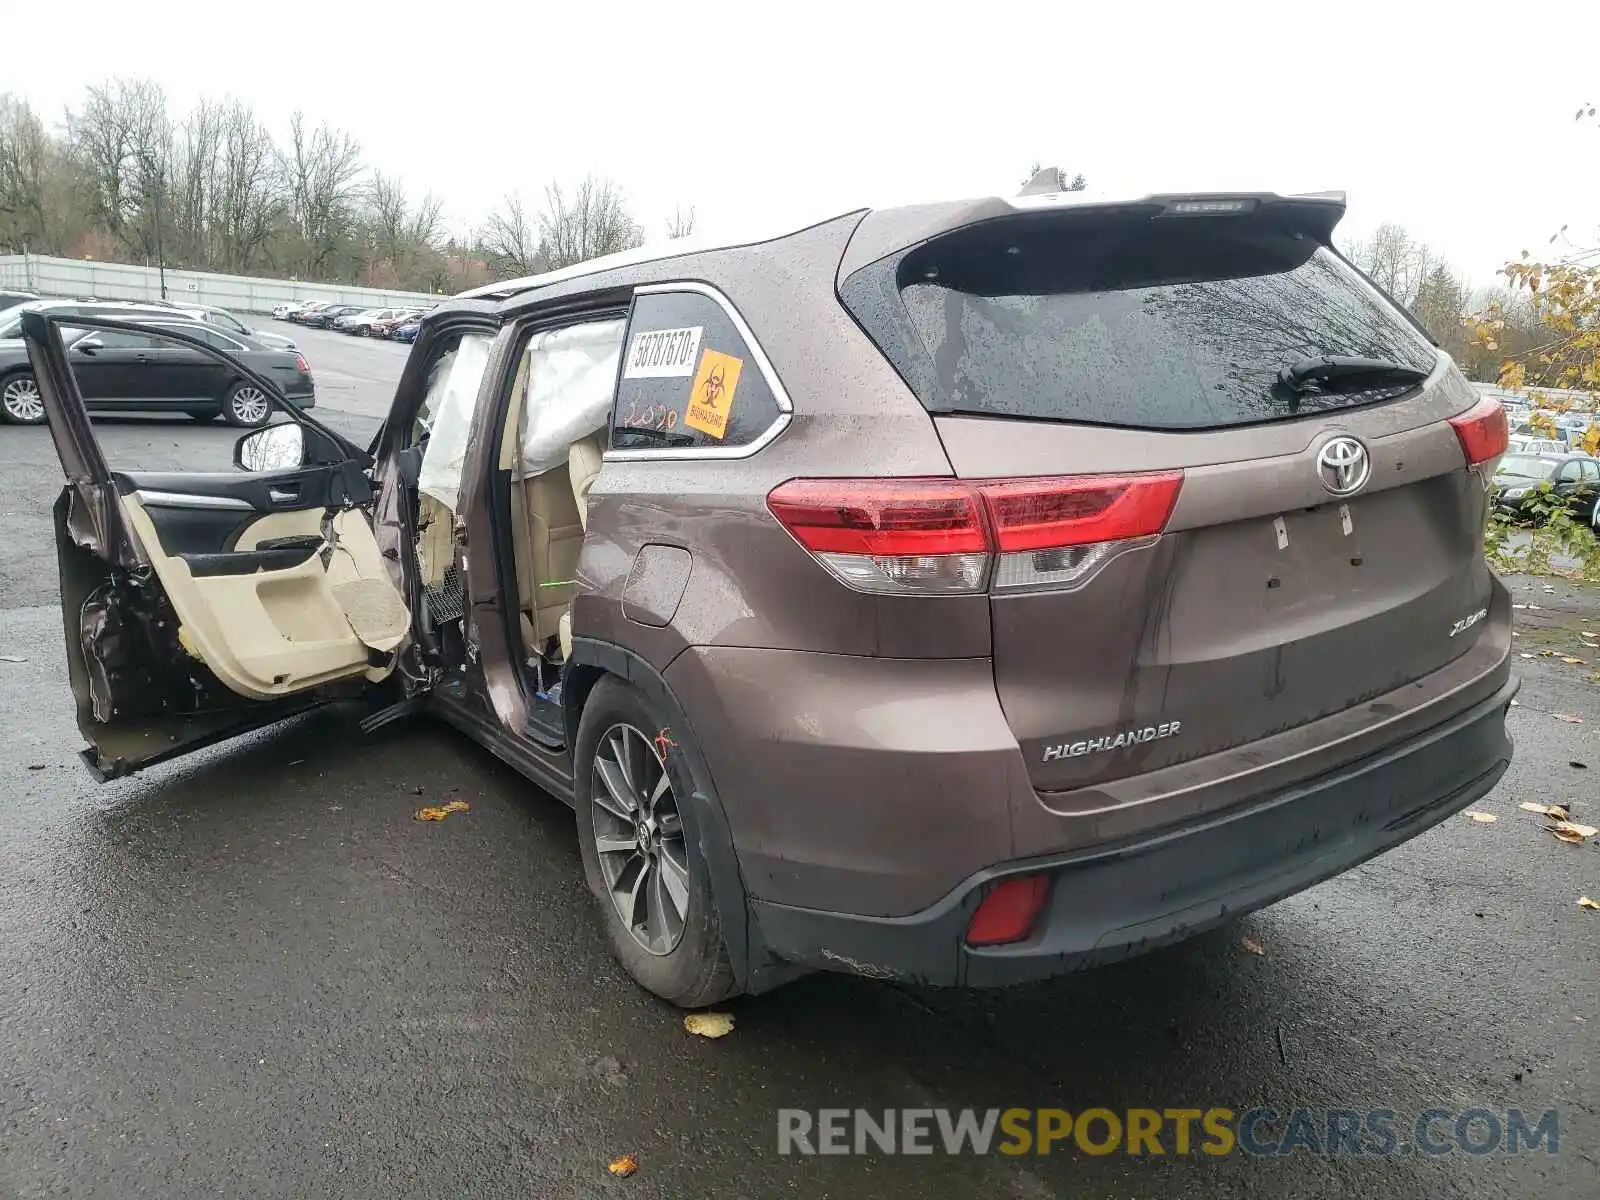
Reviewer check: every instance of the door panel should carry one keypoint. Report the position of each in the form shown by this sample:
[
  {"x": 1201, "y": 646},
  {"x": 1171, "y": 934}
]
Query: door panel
[
  {"x": 201, "y": 605},
  {"x": 272, "y": 630}
]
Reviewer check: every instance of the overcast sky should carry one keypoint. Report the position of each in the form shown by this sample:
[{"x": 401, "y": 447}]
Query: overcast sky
[{"x": 765, "y": 117}]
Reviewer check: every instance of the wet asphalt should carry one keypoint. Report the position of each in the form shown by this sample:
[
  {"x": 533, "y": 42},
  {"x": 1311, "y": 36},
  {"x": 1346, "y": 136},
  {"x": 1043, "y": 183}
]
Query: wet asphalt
[{"x": 252, "y": 973}]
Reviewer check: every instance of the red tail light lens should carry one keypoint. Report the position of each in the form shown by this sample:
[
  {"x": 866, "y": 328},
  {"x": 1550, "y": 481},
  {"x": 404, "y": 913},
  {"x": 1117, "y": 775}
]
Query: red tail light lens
[
  {"x": 880, "y": 516},
  {"x": 1482, "y": 431},
  {"x": 1042, "y": 514},
  {"x": 1009, "y": 911},
  {"x": 301, "y": 364},
  {"x": 920, "y": 536}
]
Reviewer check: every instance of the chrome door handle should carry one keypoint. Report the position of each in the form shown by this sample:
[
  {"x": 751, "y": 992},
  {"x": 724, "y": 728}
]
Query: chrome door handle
[{"x": 280, "y": 496}]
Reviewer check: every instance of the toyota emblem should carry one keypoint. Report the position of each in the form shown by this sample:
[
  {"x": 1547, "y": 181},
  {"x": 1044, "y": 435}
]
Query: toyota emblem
[{"x": 1343, "y": 465}]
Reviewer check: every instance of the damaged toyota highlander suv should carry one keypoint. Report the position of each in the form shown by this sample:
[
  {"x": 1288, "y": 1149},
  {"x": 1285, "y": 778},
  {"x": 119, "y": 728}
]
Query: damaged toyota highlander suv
[{"x": 961, "y": 594}]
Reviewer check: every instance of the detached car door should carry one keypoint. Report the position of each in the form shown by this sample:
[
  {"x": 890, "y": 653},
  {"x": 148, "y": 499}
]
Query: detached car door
[{"x": 199, "y": 605}]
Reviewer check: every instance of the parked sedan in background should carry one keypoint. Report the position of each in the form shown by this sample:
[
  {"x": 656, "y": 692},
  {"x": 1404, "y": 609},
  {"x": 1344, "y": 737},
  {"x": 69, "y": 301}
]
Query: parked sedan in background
[
  {"x": 362, "y": 323},
  {"x": 324, "y": 318},
  {"x": 303, "y": 314},
  {"x": 137, "y": 370},
  {"x": 280, "y": 312},
  {"x": 1573, "y": 479},
  {"x": 384, "y": 327},
  {"x": 12, "y": 299},
  {"x": 226, "y": 321},
  {"x": 406, "y": 331}
]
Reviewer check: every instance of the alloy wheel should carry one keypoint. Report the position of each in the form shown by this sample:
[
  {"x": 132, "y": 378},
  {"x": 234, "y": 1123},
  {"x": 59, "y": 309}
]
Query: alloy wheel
[
  {"x": 250, "y": 405},
  {"x": 22, "y": 400},
  {"x": 638, "y": 835}
]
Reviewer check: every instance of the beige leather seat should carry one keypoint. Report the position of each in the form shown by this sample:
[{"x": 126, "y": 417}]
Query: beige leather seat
[
  {"x": 547, "y": 529},
  {"x": 584, "y": 460},
  {"x": 583, "y": 464}
]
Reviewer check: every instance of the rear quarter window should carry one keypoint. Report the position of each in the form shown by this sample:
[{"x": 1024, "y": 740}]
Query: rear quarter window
[
  {"x": 1138, "y": 322},
  {"x": 689, "y": 379}
]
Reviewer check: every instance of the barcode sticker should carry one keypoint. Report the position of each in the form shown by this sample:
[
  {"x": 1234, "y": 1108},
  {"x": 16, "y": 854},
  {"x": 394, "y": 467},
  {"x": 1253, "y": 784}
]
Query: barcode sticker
[{"x": 663, "y": 353}]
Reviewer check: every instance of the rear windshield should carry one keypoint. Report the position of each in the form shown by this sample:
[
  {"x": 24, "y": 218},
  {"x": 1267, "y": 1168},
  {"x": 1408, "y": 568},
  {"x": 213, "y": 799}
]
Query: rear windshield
[
  {"x": 1527, "y": 466},
  {"x": 1155, "y": 323}
]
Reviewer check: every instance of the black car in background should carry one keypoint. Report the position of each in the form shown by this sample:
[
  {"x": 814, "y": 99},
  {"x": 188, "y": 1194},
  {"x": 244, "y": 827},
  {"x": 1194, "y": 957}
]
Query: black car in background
[
  {"x": 122, "y": 371},
  {"x": 11, "y": 299},
  {"x": 324, "y": 318},
  {"x": 1573, "y": 479}
]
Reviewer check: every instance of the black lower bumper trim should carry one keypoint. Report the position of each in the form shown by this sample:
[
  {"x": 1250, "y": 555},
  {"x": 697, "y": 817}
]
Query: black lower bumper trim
[{"x": 1114, "y": 902}]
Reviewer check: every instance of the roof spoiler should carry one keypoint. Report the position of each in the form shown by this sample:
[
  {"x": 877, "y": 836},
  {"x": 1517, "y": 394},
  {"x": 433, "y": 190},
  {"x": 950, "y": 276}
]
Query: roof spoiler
[{"x": 1316, "y": 213}]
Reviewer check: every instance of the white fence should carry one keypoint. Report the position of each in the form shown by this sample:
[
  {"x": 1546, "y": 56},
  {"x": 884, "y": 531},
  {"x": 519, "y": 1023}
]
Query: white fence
[{"x": 71, "y": 277}]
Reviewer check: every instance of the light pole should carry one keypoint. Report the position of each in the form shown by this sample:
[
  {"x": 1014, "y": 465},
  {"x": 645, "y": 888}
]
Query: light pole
[{"x": 161, "y": 257}]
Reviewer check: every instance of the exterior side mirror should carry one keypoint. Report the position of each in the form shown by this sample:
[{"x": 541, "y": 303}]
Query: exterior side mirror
[
  {"x": 88, "y": 345},
  {"x": 271, "y": 448}
]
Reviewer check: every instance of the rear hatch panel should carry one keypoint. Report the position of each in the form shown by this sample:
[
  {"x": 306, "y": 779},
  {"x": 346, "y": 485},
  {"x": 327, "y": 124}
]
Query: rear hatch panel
[{"x": 1098, "y": 342}]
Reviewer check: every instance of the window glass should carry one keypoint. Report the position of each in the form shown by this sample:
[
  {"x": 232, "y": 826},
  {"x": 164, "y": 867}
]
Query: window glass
[
  {"x": 113, "y": 339},
  {"x": 1146, "y": 324},
  {"x": 688, "y": 378}
]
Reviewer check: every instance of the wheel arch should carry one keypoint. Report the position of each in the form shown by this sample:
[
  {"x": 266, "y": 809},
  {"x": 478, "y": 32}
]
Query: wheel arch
[{"x": 591, "y": 661}]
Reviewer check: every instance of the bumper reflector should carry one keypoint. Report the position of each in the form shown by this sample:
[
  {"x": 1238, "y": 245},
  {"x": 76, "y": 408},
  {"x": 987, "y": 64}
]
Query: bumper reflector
[{"x": 1008, "y": 912}]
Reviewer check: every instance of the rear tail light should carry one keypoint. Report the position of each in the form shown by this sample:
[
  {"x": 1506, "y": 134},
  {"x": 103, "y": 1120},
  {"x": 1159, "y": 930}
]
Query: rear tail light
[
  {"x": 943, "y": 536},
  {"x": 301, "y": 364},
  {"x": 1482, "y": 431},
  {"x": 1009, "y": 911}
]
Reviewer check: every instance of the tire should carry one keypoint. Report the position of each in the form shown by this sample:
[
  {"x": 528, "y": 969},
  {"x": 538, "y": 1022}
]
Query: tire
[
  {"x": 20, "y": 401},
  {"x": 684, "y": 961},
  {"x": 246, "y": 405},
  {"x": 203, "y": 415}
]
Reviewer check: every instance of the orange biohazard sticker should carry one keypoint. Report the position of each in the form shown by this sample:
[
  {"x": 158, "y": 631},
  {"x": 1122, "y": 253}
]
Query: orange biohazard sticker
[{"x": 711, "y": 397}]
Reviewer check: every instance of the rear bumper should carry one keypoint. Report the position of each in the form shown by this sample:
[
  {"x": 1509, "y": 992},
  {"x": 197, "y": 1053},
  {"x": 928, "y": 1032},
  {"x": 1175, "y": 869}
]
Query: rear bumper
[{"x": 1117, "y": 900}]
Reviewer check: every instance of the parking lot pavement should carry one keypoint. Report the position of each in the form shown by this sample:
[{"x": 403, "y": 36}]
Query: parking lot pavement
[{"x": 252, "y": 973}]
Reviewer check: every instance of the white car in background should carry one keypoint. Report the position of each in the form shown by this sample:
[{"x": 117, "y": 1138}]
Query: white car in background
[
  {"x": 280, "y": 312},
  {"x": 224, "y": 320}
]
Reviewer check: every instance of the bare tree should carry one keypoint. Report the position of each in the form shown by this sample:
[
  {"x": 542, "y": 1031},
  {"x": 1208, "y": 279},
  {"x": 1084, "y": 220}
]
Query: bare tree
[
  {"x": 681, "y": 223},
  {"x": 400, "y": 234},
  {"x": 1394, "y": 260},
  {"x": 122, "y": 138},
  {"x": 511, "y": 239},
  {"x": 592, "y": 222},
  {"x": 26, "y": 155},
  {"x": 321, "y": 169}
]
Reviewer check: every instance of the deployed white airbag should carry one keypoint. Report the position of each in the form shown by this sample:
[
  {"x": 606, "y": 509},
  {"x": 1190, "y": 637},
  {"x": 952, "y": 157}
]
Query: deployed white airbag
[
  {"x": 450, "y": 427},
  {"x": 572, "y": 373}
]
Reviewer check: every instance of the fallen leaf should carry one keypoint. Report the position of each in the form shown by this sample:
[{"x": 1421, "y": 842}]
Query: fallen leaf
[
  {"x": 1525, "y": 654},
  {"x": 1568, "y": 831},
  {"x": 438, "y": 812},
  {"x": 1570, "y": 661},
  {"x": 1482, "y": 818},
  {"x": 709, "y": 1024},
  {"x": 1547, "y": 810},
  {"x": 1585, "y": 902},
  {"x": 1576, "y": 765},
  {"x": 624, "y": 1166},
  {"x": 1250, "y": 944},
  {"x": 1519, "y": 606},
  {"x": 1568, "y": 718},
  {"x": 1516, "y": 704}
]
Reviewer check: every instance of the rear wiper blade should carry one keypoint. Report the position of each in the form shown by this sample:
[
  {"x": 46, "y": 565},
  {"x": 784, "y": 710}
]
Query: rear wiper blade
[{"x": 1304, "y": 373}]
